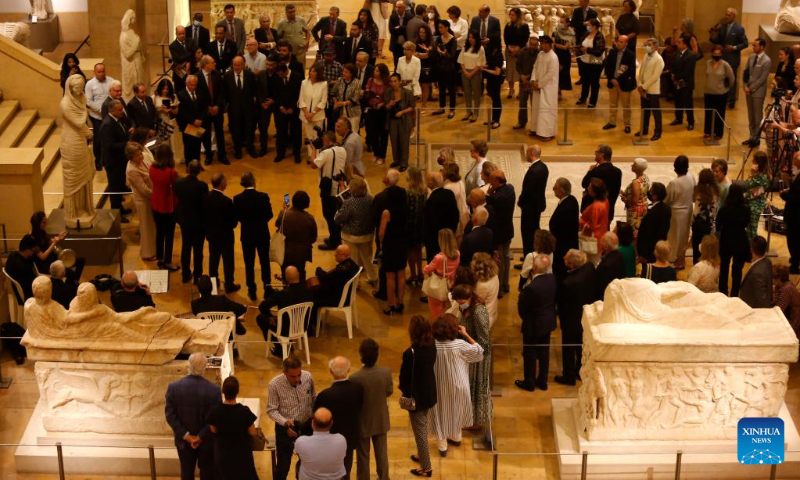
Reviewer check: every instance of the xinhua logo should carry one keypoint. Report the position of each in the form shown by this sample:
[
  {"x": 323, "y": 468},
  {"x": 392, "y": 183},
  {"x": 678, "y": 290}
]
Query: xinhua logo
[{"x": 760, "y": 441}]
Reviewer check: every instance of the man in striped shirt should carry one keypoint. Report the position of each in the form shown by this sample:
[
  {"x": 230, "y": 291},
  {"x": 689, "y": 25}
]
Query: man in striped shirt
[{"x": 290, "y": 405}]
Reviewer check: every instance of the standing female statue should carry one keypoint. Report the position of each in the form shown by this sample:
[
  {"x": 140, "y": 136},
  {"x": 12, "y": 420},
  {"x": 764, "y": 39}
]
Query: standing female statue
[
  {"x": 130, "y": 46},
  {"x": 77, "y": 160}
]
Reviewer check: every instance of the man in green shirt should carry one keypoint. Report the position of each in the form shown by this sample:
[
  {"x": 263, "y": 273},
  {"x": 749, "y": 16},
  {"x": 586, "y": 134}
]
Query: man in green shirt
[{"x": 294, "y": 30}]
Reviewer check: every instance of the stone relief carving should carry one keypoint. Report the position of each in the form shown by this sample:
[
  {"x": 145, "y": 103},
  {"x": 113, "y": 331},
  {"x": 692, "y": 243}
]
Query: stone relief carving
[
  {"x": 250, "y": 12},
  {"x": 19, "y": 32},
  {"x": 788, "y": 18}
]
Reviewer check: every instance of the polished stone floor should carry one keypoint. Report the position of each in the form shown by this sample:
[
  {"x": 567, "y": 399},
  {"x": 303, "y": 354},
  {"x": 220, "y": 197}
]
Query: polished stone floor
[{"x": 522, "y": 421}]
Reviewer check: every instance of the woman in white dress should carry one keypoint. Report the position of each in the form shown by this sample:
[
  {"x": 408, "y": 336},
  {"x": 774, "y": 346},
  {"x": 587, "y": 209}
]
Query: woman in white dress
[
  {"x": 488, "y": 286},
  {"x": 76, "y": 155},
  {"x": 164, "y": 96},
  {"x": 138, "y": 176},
  {"x": 409, "y": 68},
  {"x": 705, "y": 273},
  {"x": 453, "y": 182},
  {"x": 312, "y": 101},
  {"x": 680, "y": 197},
  {"x": 453, "y": 409}
]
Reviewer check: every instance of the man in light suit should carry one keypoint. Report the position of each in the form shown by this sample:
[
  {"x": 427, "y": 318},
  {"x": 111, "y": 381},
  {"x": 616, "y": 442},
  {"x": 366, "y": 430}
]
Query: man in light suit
[
  {"x": 487, "y": 26},
  {"x": 531, "y": 199},
  {"x": 182, "y": 48},
  {"x": 733, "y": 39},
  {"x": 188, "y": 403},
  {"x": 198, "y": 33},
  {"x": 756, "y": 289},
  {"x": 377, "y": 385},
  {"x": 537, "y": 308},
  {"x": 649, "y": 82},
  {"x": 330, "y": 31},
  {"x": 755, "y": 89},
  {"x": 564, "y": 225},
  {"x": 344, "y": 399},
  {"x": 234, "y": 28}
]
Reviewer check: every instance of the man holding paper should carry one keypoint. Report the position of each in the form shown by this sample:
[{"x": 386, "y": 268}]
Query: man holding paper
[{"x": 191, "y": 116}]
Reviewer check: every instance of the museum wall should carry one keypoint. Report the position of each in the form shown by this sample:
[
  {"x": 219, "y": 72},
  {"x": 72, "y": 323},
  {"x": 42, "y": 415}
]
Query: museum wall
[{"x": 73, "y": 16}]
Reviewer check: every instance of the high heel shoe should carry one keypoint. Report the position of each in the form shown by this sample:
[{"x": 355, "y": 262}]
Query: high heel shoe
[
  {"x": 389, "y": 311},
  {"x": 421, "y": 473},
  {"x": 399, "y": 308}
]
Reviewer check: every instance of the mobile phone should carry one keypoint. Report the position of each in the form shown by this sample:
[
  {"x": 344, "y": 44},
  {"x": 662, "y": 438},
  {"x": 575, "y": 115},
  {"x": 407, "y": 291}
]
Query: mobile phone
[{"x": 286, "y": 198}]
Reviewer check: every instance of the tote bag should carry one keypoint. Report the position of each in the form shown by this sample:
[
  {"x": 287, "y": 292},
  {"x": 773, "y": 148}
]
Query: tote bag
[
  {"x": 435, "y": 286},
  {"x": 277, "y": 246},
  {"x": 587, "y": 244}
]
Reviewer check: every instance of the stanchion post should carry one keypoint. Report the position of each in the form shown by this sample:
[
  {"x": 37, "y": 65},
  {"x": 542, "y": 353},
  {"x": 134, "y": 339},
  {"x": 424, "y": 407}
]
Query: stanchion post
[
  {"x": 641, "y": 139},
  {"x": 565, "y": 140},
  {"x": 60, "y": 454},
  {"x": 773, "y": 471},
  {"x": 152, "y": 453},
  {"x": 728, "y": 153},
  {"x": 494, "y": 466},
  {"x": 584, "y": 464},
  {"x": 488, "y": 125},
  {"x": 119, "y": 252},
  {"x": 678, "y": 458},
  {"x": 418, "y": 124}
]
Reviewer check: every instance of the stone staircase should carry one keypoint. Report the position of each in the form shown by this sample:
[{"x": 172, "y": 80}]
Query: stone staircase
[{"x": 25, "y": 128}]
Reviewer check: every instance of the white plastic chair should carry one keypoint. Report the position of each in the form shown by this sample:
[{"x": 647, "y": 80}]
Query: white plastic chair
[
  {"x": 14, "y": 292},
  {"x": 350, "y": 314},
  {"x": 214, "y": 316},
  {"x": 296, "y": 315}
]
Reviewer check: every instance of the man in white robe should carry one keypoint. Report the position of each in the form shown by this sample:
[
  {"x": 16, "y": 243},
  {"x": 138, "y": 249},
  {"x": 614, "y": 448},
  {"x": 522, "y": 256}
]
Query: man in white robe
[{"x": 544, "y": 92}]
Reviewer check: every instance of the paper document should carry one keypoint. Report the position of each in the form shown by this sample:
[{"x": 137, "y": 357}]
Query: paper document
[
  {"x": 157, "y": 280},
  {"x": 194, "y": 131}
]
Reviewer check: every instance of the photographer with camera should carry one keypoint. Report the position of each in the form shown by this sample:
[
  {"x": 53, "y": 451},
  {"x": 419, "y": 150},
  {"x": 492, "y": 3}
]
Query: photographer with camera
[{"x": 330, "y": 159}]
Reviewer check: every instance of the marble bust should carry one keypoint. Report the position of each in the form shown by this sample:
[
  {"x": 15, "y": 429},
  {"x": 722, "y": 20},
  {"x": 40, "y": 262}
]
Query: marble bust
[
  {"x": 76, "y": 156},
  {"x": 788, "y": 18}
]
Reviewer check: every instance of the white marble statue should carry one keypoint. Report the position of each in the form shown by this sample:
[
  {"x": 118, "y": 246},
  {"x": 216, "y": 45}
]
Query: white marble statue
[
  {"x": 552, "y": 22},
  {"x": 42, "y": 9},
  {"x": 538, "y": 20},
  {"x": 788, "y": 18},
  {"x": 77, "y": 162},
  {"x": 132, "y": 55},
  {"x": 607, "y": 24}
]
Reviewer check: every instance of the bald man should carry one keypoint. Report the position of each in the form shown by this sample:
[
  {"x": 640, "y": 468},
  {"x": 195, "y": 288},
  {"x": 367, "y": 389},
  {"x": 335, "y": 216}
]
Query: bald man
[
  {"x": 344, "y": 399},
  {"x": 182, "y": 48},
  {"x": 321, "y": 454},
  {"x": 293, "y": 293},
  {"x": 487, "y": 26},
  {"x": 331, "y": 283},
  {"x": 240, "y": 95},
  {"x": 132, "y": 296},
  {"x": 502, "y": 197},
  {"x": 441, "y": 211}
]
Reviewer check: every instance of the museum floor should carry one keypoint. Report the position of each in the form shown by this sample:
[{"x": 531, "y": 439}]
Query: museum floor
[{"x": 522, "y": 420}]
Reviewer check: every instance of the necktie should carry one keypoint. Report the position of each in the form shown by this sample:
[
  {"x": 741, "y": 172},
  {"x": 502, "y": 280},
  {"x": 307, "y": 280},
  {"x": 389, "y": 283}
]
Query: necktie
[
  {"x": 193, "y": 97},
  {"x": 144, "y": 105},
  {"x": 183, "y": 45},
  {"x": 221, "y": 48},
  {"x": 210, "y": 87},
  {"x": 333, "y": 27},
  {"x": 483, "y": 28},
  {"x": 359, "y": 75},
  {"x": 285, "y": 82},
  {"x": 355, "y": 45},
  {"x": 195, "y": 32},
  {"x": 231, "y": 31},
  {"x": 239, "y": 81}
]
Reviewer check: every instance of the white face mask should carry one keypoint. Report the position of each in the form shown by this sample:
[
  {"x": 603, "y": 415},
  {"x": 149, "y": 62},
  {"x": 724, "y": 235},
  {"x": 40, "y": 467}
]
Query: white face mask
[
  {"x": 648, "y": 49},
  {"x": 430, "y": 15},
  {"x": 197, "y": 23},
  {"x": 463, "y": 307}
]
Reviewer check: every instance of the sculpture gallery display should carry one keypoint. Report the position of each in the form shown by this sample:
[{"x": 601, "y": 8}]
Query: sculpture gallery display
[
  {"x": 669, "y": 362},
  {"x": 250, "y": 11},
  {"x": 41, "y": 9},
  {"x": 607, "y": 24},
  {"x": 17, "y": 31},
  {"x": 132, "y": 55},
  {"x": 77, "y": 161},
  {"x": 788, "y": 18}
]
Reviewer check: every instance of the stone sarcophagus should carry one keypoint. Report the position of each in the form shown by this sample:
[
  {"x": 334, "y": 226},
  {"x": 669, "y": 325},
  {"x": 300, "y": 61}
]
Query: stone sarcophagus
[{"x": 668, "y": 362}]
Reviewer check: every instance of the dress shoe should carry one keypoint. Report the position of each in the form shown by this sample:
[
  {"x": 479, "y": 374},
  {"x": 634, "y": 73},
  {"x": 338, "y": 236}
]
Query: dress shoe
[
  {"x": 506, "y": 289},
  {"x": 125, "y": 211},
  {"x": 278, "y": 158},
  {"x": 453, "y": 443},
  {"x": 675, "y": 122},
  {"x": 240, "y": 330},
  {"x": 123, "y": 219},
  {"x": 579, "y": 82},
  {"x": 423, "y": 299},
  {"x": 224, "y": 161},
  {"x": 262, "y": 152},
  {"x": 237, "y": 155},
  {"x": 232, "y": 288},
  {"x": 627, "y": 129},
  {"x": 544, "y": 139},
  {"x": 609, "y": 126},
  {"x": 438, "y": 112},
  {"x": 564, "y": 380},
  {"x": 495, "y": 125},
  {"x": 690, "y": 127},
  {"x": 640, "y": 134},
  {"x": 378, "y": 295},
  {"x": 518, "y": 266},
  {"x": 580, "y": 102},
  {"x": 327, "y": 246},
  {"x": 442, "y": 453},
  {"x": 252, "y": 153},
  {"x": 251, "y": 294},
  {"x": 171, "y": 268},
  {"x": 655, "y": 137},
  {"x": 518, "y": 126},
  {"x": 186, "y": 278},
  {"x": 420, "y": 472},
  {"x": 524, "y": 386},
  {"x": 208, "y": 161},
  {"x": 531, "y": 134},
  {"x": 541, "y": 386}
]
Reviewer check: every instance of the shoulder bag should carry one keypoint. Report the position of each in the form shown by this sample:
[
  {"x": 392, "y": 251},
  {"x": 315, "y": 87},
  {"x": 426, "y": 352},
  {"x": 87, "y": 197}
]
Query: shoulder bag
[
  {"x": 647, "y": 271},
  {"x": 435, "y": 286},
  {"x": 408, "y": 403},
  {"x": 258, "y": 442},
  {"x": 277, "y": 246}
]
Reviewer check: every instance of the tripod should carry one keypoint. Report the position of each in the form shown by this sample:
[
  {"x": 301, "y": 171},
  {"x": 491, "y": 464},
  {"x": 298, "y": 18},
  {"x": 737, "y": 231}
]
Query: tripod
[{"x": 772, "y": 114}]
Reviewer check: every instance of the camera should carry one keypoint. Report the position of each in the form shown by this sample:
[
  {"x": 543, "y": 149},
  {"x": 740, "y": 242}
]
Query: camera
[
  {"x": 317, "y": 142},
  {"x": 163, "y": 130},
  {"x": 778, "y": 92}
]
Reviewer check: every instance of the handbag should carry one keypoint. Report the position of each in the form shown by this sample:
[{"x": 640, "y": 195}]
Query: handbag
[
  {"x": 435, "y": 286},
  {"x": 258, "y": 442},
  {"x": 408, "y": 403},
  {"x": 277, "y": 246},
  {"x": 587, "y": 244}
]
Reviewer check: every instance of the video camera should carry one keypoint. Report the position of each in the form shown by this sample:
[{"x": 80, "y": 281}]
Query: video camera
[
  {"x": 778, "y": 92},
  {"x": 163, "y": 130}
]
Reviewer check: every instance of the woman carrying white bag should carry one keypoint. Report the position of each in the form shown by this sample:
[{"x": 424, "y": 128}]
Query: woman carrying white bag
[{"x": 441, "y": 273}]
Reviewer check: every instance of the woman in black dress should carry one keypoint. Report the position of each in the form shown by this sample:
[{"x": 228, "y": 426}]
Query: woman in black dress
[
  {"x": 732, "y": 222},
  {"x": 446, "y": 48},
  {"x": 70, "y": 66},
  {"x": 563, "y": 42},
  {"x": 493, "y": 73},
  {"x": 233, "y": 426},
  {"x": 426, "y": 52},
  {"x": 394, "y": 247},
  {"x": 47, "y": 248},
  {"x": 418, "y": 381},
  {"x": 785, "y": 69},
  {"x": 370, "y": 30},
  {"x": 661, "y": 270},
  {"x": 515, "y": 35}
]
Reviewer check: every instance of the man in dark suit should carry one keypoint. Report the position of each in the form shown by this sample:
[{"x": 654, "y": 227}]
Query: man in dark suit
[
  {"x": 113, "y": 138},
  {"x": 141, "y": 110},
  {"x": 475, "y": 199},
  {"x": 564, "y": 225},
  {"x": 294, "y": 293},
  {"x": 191, "y": 191},
  {"x": 64, "y": 290},
  {"x": 182, "y": 49},
  {"x": 344, "y": 399},
  {"x": 441, "y": 211},
  {"x": 655, "y": 224},
  {"x": 220, "y": 218},
  {"x": 479, "y": 239},
  {"x": 397, "y": 29},
  {"x": 208, "y": 302},
  {"x": 608, "y": 173},
  {"x": 221, "y": 50},
  {"x": 487, "y": 26},
  {"x": 132, "y": 296},
  {"x": 188, "y": 403},
  {"x": 114, "y": 93},
  {"x": 531, "y": 199},
  {"x": 240, "y": 90},
  {"x": 265, "y": 36},
  {"x": 332, "y": 282},
  {"x": 284, "y": 92},
  {"x": 537, "y": 309},
  {"x": 234, "y": 28},
  {"x": 580, "y": 16},
  {"x": 683, "y": 81},
  {"x": 364, "y": 70},
  {"x": 254, "y": 212},
  {"x": 791, "y": 215},
  {"x": 21, "y": 267},
  {"x": 198, "y": 33},
  {"x": 265, "y": 105},
  {"x": 287, "y": 58},
  {"x": 575, "y": 291},
  {"x": 330, "y": 30},
  {"x": 731, "y": 36},
  {"x": 611, "y": 266},
  {"x": 209, "y": 80},
  {"x": 502, "y": 197},
  {"x": 756, "y": 289},
  {"x": 193, "y": 111},
  {"x": 356, "y": 42},
  {"x": 620, "y": 70}
]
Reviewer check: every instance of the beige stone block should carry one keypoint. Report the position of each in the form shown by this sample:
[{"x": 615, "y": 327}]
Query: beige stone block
[{"x": 20, "y": 188}]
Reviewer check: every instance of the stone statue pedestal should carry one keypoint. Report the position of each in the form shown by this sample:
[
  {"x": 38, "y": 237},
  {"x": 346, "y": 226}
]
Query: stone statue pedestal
[
  {"x": 775, "y": 40},
  {"x": 106, "y": 225},
  {"x": 44, "y": 34}
]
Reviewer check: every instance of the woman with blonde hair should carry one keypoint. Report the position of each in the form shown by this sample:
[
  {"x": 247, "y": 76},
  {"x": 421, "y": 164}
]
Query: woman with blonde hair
[
  {"x": 661, "y": 270},
  {"x": 705, "y": 273},
  {"x": 488, "y": 287},
  {"x": 312, "y": 101},
  {"x": 446, "y": 155},
  {"x": 415, "y": 200},
  {"x": 138, "y": 176},
  {"x": 444, "y": 264},
  {"x": 355, "y": 217}
]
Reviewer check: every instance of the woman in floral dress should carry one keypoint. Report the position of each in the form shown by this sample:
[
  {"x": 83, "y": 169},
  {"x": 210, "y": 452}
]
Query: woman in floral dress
[
  {"x": 756, "y": 191},
  {"x": 635, "y": 195}
]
